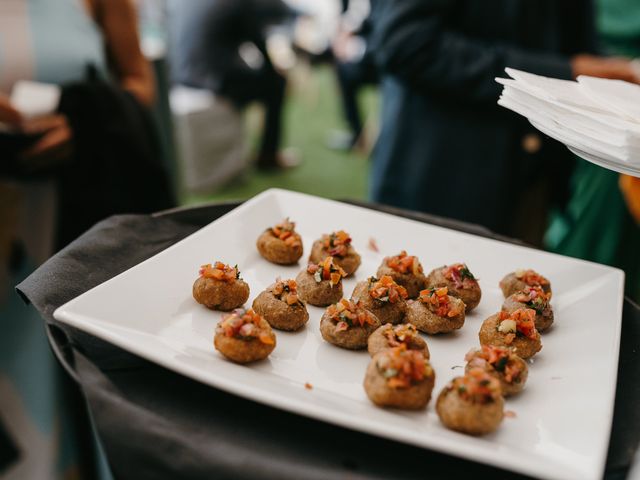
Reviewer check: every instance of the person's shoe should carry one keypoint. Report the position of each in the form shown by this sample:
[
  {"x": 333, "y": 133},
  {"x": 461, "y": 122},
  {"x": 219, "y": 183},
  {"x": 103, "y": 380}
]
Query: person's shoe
[
  {"x": 286, "y": 159},
  {"x": 341, "y": 140}
]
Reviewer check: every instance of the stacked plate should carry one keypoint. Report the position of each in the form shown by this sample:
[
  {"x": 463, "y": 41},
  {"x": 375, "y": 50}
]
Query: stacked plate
[{"x": 597, "y": 119}]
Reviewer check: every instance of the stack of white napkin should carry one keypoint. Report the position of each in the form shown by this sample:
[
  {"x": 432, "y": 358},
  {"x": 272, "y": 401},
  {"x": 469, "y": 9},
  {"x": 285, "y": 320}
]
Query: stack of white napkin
[{"x": 597, "y": 119}]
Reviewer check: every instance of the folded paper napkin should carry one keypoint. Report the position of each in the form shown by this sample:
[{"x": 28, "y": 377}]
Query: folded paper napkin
[{"x": 598, "y": 119}]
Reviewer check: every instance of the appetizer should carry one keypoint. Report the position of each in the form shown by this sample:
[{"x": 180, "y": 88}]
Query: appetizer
[
  {"x": 515, "y": 330},
  {"x": 219, "y": 287},
  {"x": 320, "y": 284},
  {"x": 406, "y": 271},
  {"x": 243, "y": 336},
  {"x": 535, "y": 298},
  {"x": 336, "y": 245},
  {"x": 435, "y": 311},
  {"x": 281, "y": 244},
  {"x": 460, "y": 282},
  {"x": 502, "y": 364},
  {"x": 520, "y": 279},
  {"x": 400, "y": 378},
  {"x": 390, "y": 336},
  {"x": 280, "y": 305},
  {"x": 347, "y": 324},
  {"x": 384, "y": 298},
  {"x": 471, "y": 404}
]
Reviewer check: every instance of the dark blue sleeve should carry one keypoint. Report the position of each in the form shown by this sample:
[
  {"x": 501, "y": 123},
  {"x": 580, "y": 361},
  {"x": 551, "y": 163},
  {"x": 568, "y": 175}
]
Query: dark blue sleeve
[{"x": 412, "y": 41}]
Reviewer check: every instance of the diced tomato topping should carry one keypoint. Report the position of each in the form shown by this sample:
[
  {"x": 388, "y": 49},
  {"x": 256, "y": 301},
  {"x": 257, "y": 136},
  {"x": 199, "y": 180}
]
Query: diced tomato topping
[
  {"x": 525, "y": 321},
  {"x": 404, "y": 333},
  {"x": 403, "y": 368},
  {"x": 329, "y": 271},
  {"x": 244, "y": 324},
  {"x": 349, "y": 313},
  {"x": 477, "y": 386},
  {"x": 531, "y": 277},
  {"x": 285, "y": 290},
  {"x": 337, "y": 243},
  {"x": 386, "y": 290},
  {"x": 219, "y": 271},
  {"x": 438, "y": 300},
  {"x": 286, "y": 231},
  {"x": 460, "y": 275},
  {"x": 403, "y": 263}
]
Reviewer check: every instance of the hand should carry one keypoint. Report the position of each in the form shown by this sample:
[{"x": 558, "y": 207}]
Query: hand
[
  {"x": 340, "y": 45},
  {"x": 8, "y": 114},
  {"x": 53, "y": 147},
  {"x": 616, "y": 68},
  {"x": 630, "y": 187}
]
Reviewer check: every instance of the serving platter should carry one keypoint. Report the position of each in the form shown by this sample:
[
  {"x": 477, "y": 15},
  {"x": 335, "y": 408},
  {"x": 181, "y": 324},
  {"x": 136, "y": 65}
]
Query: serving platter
[{"x": 562, "y": 419}]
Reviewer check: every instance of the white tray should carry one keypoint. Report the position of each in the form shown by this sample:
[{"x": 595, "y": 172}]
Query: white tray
[{"x": 563, "y": 418}]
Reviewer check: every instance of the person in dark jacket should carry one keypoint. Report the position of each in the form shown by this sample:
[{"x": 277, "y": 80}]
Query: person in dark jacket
[
  {"x": 445, "y": 147},
  {"x": 209, "y": 38}
]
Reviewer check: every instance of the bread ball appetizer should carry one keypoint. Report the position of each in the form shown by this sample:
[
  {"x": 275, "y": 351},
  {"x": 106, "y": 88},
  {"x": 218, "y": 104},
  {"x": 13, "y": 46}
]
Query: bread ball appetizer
[
  {"x": 536, "y": 299},
  {"x": 501, "y": 363},
  {"x": 384, "y": 298},
  {"x": 391, "y": 336},
  {"x": 520, "y": 279},
  {"x": 516, "y": 330},
  {"x": 280, "y": 305},
  {"x": 320, "y": 284},
  {"x": 281, "y": 244},
  {"x": 406, "y": 271},
  {"x": 243, "y": 336},
  {"x": 219, "y": 287},
  {"x": 460, "y": 282},
  {"x": 471, "y": 404},
  {"x": 436, "y": 311},
  {"x": 400, "y": 378},
  {"x": 336, "y": 245},
  {"x": 347, "y": 324}
]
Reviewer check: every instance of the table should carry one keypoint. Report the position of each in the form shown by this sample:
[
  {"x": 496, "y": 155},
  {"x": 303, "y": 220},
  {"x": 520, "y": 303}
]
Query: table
[{"x": 156, "y": 424}]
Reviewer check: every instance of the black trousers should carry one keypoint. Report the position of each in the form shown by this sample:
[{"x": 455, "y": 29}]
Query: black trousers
[
  {"x": 268, "y": 87},
  {"x": 352, "y": 76}
]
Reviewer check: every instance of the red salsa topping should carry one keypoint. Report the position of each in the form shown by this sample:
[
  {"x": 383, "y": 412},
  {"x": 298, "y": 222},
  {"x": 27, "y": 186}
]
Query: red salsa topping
[
  {"x": 477, "y": 386},
  {"x": 244, "y": 325},
  {"x": 285, "y": 231},
  {"x": 534, "y": 297},
  {"x": 337, "y": 243},
  {"x": 386, "y": 290},
  {"x": 531, "y": 277},
  {"x": 520, "y": 322},
  {"x": 326, "y": 270},
  {"x": 220, "y": 271},
  {"x": 403, "y": 368},
  {"x": 500, "y": 358},
  {"x": 286, "y": 290},
  {"x": 403, "y": 263},
  {"x": 402, "y": 334},
  {"x": 439, "y": 302},
  {"x": 347, "y": 313},
  {"x": 460, "y": 275}
]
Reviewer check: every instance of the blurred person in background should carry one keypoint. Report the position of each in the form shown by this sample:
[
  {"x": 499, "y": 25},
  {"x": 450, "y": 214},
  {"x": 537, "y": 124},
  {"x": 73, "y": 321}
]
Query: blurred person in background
[
  {"x": 445, "y": 146},
  {"x": 601, "y": 221},
  {"x": 93, "y": 156},
  {"x": 355, "y": 68},
  {"x": 220, "y": 45}
]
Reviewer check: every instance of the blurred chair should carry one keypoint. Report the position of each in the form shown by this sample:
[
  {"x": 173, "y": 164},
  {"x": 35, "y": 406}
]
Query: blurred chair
[{"x": 210, "y": 139}]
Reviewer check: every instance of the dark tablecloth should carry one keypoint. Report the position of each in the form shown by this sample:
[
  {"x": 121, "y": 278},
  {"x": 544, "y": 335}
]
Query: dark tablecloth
[{"x": 156, "y": 424}]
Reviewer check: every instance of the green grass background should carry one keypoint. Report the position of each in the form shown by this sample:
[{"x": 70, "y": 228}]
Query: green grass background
[{"x": 312, "y": 111}]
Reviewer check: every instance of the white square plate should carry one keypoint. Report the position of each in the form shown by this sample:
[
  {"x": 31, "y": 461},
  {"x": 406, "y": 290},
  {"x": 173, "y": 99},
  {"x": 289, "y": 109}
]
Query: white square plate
[{"x": 563, "y": 417}]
